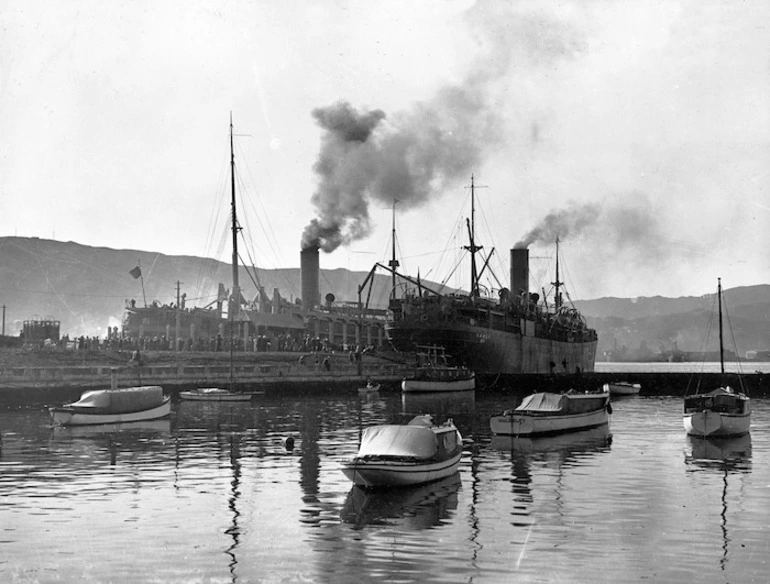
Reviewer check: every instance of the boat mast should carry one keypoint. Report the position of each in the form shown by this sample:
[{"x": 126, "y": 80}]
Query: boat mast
[
  {"x": 236, "y": 295},
  {"x": 557, "y": 284},
  {"x": 721, "y": 349},
  {"x": 472, "y": 248},
  {"x": 393, "y": 263}
]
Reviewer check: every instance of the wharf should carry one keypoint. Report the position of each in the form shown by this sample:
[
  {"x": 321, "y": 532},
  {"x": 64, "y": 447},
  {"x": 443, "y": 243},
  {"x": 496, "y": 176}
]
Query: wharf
[
  {"x": 55, "y": 376},
  {"x": 48, "y": 375}
]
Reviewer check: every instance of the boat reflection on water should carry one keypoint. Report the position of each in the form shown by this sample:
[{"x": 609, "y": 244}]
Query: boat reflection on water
[
  {"x": 218, "y": 416},
  {"x": 441, "y": 404},
  {"x": 126, "y": 428},
  {"x": 598, "y": 439},
  {"x": 721, "y": 457},
  {"x": 728, "y": 454},
  {"x": 129, "y": 439},
  {"x": 234, "y": 530},
  {"x": 419, "y": 507}
]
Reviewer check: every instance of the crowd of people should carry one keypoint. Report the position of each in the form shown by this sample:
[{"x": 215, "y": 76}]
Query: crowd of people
[{"x": 255, "y": 344}]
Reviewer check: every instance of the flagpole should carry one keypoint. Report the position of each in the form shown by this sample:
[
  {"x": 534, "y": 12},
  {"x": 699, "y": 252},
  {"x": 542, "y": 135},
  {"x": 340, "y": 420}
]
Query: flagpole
[{"x": 141, "y": 275}]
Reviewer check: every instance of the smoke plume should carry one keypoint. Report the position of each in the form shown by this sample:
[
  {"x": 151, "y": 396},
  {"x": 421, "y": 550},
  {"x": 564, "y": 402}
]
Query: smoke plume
[
  {"x": 562, "y": 224},
  {"x": 408, "y": 158},
  {"x": 623, "y": 226},
  {"x": 416, "y": 154}
]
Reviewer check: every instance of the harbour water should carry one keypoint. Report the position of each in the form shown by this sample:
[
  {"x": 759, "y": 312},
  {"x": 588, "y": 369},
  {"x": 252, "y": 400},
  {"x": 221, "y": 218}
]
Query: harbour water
[{"x": 213, "y": 495}]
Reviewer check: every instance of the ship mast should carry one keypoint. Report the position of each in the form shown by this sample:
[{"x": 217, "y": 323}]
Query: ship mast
[
  {"x": 393, "y": 263},
  {"x": 557, "y": 284},
  {"x": 236, "y": 294},
  {"x": 473, "y": 248},
  {"x": 721, "y": 349}
]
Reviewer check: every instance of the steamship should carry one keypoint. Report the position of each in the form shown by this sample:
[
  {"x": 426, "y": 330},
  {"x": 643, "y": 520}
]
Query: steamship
[
  {"x": 232, "y": 315},
  {"x": 515, "y": 333}
]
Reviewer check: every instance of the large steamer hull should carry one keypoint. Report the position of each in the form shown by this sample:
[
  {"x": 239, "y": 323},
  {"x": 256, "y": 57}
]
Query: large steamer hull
[
  {"x": 399, "y": 474},
  {"x": 490, "y": 351}
]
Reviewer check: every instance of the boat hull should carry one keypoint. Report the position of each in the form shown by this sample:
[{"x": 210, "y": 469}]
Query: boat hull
[
  {"x": 624, "y": 388},
  {"x": 399, "y": 473},
  {"x": 488, "y": 351},
  {"x": 710, "y": 424},
  {"x": 425, "y": 385},
  {"x": 522, "y": 424},
  {"x": 215, "y": 396},
  {"x": 74, "y": 416}
]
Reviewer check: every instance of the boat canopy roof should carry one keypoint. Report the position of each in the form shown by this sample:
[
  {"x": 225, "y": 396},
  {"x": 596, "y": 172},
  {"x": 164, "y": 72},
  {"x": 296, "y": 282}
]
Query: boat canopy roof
[
  {"x": 394, "y": 440},
  {"x": 126, "y": 399},
  {"x": 541, "y": 402},
  {"x": 719, "y": 391}
]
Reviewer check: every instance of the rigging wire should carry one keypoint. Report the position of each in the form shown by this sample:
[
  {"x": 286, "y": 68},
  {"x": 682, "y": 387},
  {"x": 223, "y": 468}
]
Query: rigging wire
[
  {"x": 497, "y": 258},
  {"x": 248, "y": 203},
  {"x": 207, "y": 270},
  {"x": 734, "y": 343}
]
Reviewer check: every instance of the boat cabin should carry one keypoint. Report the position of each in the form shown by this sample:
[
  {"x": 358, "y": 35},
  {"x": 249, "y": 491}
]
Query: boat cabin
[{"x": 723, "y": 400}]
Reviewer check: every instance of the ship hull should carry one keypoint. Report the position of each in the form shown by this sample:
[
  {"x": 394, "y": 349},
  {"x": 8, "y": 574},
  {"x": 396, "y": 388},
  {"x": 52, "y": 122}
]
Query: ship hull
[{"x": 489, "y": 351}]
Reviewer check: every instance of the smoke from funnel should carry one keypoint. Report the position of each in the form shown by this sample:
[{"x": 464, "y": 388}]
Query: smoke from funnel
[
  {"x": 563, "y": 223},
  {"x": 418, "y": 153},
  {"x": 622, "y": 222},
  {"x": 408, "y": 158}
]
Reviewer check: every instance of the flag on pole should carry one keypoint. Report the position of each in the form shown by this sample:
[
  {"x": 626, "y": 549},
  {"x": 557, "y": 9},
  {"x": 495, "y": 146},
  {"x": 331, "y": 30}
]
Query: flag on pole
[{"x": 136, "y": 272}]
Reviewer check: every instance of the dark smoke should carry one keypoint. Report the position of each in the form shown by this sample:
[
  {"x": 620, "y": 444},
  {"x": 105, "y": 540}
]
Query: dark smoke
[
  {"x": 419, "y": 153},
  {"x": 627, "y": 222},
  {"x": 564, "y": 223},
  {"x": 410, "y": 157},
  {"x": 342, "y": 165}
]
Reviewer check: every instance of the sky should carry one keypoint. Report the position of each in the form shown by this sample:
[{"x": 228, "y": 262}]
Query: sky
[{"x": 636, "y": 132}]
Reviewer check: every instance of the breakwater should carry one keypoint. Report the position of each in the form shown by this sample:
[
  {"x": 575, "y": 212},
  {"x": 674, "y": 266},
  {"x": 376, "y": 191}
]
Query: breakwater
[{"x": 653, "y": 383}]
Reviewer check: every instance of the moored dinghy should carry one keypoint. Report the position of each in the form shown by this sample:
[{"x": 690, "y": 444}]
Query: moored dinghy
[
  {"x": 412, "y": 454},
  {"x": 721, "y": 412},
  {"x": 214, "y": 394},
  {"x": 553, "y": 413},
  {"x": 114, "y": 406}
]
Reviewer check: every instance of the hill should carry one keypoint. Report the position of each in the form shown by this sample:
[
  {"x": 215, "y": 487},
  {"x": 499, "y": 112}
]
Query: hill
[
  {"x": 86, "y": 288},
  {"x": 640, "y": 327}
]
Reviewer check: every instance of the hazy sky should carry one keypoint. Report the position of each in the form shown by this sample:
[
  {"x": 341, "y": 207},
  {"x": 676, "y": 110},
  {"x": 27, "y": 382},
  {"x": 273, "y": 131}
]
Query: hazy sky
[{"x": 638, "y": 129}]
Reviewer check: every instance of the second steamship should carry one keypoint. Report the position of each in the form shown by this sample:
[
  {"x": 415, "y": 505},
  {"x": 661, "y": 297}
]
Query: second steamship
[{"x": 517, "y": 332}]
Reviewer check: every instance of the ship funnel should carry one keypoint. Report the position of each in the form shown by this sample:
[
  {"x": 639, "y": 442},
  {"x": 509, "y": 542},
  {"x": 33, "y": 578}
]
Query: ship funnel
[
  {"x": 519, "y": 271},
  {"x": 310, "y": 276}
]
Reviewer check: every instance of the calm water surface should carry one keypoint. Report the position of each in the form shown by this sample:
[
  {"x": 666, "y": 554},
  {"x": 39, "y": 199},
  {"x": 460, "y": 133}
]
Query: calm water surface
[{"x": 212, "y": 495}]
